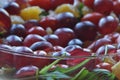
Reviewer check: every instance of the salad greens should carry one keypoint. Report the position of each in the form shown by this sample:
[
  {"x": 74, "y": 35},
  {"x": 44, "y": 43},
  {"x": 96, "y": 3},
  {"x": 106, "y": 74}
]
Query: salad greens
[{"x": 64, "y": 73}]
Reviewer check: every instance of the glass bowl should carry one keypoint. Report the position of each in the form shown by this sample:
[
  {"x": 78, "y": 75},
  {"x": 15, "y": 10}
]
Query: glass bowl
[{"x": 11, "y": 62}]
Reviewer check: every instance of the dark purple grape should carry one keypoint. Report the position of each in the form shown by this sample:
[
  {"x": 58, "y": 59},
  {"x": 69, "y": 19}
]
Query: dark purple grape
[
  {"x": 30, "y": 23},
  {"x": 13, "y": 40},
  {"x": 40, "y": 53},
  {"x": 75, "y": 42},
  {"x": 70, "y": 48},
  {"x": 5, "y": 46},
  {"x": 52, "y": 38},
  {"x": 26, "y": 71},
  {"x": 66, "y": 19},
  {"x": 23, "y": 49},
  {"x": 18, "y": 29},
  {"x": 61, "y": 53},
  {"x": 111, "y": 49},
  {"x": 85, "y": 30},
  {"x": 12, "y": 8},
  {"x": 41, "y": 45}
]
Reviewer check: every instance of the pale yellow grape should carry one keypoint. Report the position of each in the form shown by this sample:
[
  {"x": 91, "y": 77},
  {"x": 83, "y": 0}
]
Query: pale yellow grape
[
  {"x": 67, "y": 8},
  {"x": 86, "y": 10},
  {"x": 109, "y": 60},
  {"x": 16, "y": 19},
  {"x": 116, "y": 70},
  {"x": 32, "y": 12}
]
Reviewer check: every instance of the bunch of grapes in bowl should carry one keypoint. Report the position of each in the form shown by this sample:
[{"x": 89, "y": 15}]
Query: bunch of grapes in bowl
[{"x": 60, "y": 39}]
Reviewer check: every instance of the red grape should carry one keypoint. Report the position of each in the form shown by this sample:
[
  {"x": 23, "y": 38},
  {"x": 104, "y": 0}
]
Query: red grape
[
  {"x": 37, "y": 30},
  {"x": 113, "y": 36},
  {"x": 107, "y": 25},
  {"x": 5, "y": 21},
  {"x": 22, "y": 3},
  {"x": 56, "y": 3},
  {"x": 49, "y": 22},
  {"x": 77, "y": 52},
  {"x": 94, "y": 17},
  {"x": 116, "y": 7},
  {"x": 88, "y": 3},
  {"x": 32, "y": 38},
  {"x": 45, "y": 4},
  {"x": 6, "y": 58},
  {"x": 96, "y": 44},
  {"x": 65, "y": 35},
  {"x": 103, "y": 6}
]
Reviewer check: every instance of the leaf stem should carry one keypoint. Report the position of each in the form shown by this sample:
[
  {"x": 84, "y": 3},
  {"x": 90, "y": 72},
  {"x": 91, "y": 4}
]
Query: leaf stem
[
  {"x": 79, "y": 73},
  {"x": 45, "y": 69},
  {"x": 76, "y": 67}
]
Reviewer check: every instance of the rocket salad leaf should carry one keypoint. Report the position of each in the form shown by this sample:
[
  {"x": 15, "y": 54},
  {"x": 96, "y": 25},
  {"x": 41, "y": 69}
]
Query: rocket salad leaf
[{"x": 83, "y": 74}]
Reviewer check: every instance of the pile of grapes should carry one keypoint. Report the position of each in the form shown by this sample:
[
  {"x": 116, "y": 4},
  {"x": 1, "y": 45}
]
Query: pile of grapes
[{"x": 31, "y": 30}]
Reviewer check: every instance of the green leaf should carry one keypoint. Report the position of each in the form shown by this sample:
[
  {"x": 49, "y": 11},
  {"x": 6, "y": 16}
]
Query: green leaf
[
  {"x": 62, "y": 71},
  {"x": 57, "y": 75},
  {"x": 104, "y": 74},
  {"x": 103, "y": 71},
  {"x": 81, "y": 75},
  {"x": 73, "y": 68},
  {"x": 49, "y": 78},
  {"x": 44, "y": 13},
  {"x": 81, "y": 5},
  {"x": 46, "y": 68},
  {"x": 112, "y": 77},
  {"x": 97, "y": 74}
]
